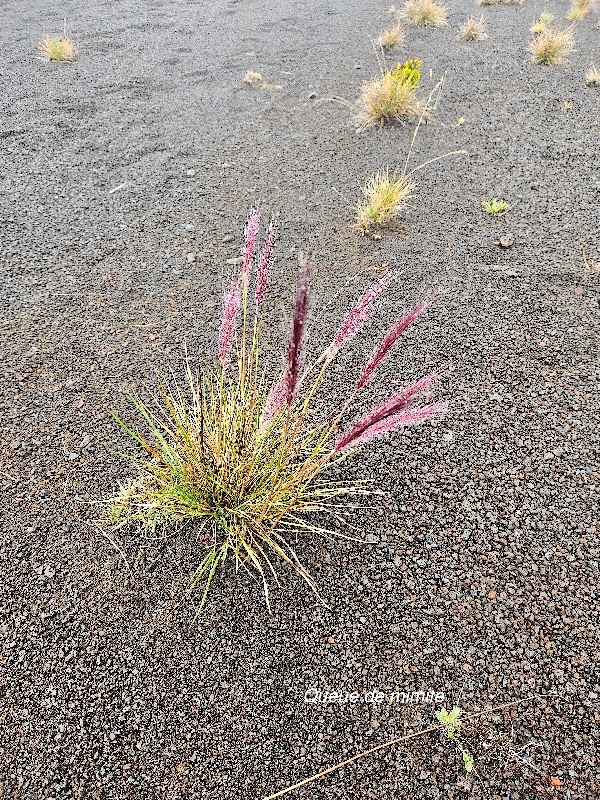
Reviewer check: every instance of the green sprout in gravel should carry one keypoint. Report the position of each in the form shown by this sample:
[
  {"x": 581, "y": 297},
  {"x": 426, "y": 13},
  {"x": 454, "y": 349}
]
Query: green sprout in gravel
[
  {"x": 452, "y": 725},
  {"x": 495, "y": 206},
  {"x": 239, "y": 458}
]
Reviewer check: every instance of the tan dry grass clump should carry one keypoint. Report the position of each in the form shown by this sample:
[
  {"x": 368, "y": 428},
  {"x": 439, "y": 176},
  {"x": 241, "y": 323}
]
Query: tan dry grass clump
[
  {"x": 552, "y": 46},
  {"x": 473, "y": 30},
  {"x": 252, "y": 78},
  {"x": 542, "y": 23},
  {"x": 384, "y": 194},
  {"x": 592, "y": 76},
  {"x": 392, "y": 98},
  {"x": 426, "y": 12},
  {"x": 57, "y": 48},
  {"x": 391, "y": 37},
  {"x": 500, "y": 2},
  {"x": 580, "y": 9}
]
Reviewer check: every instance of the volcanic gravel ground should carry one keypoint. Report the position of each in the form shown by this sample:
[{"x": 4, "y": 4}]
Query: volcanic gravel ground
[{"x": 125, "y": 180}]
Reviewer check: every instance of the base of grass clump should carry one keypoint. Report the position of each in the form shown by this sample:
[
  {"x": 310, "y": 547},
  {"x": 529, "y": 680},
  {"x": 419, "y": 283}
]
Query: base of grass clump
[
  {"x": 392, "y": 98},
  {"x": 240, "y": 459},
  {"x": 57, "y": 48},
  {"x": 552, "y": 46}
]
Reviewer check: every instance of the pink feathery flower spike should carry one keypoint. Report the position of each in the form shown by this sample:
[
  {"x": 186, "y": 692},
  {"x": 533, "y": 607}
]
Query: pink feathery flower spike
[
  {"x": 358, "y": 315},
  {"x": 262, "y": 272},
  {"x": 298, "y": 325},
  {"x": 412, "y": 416},
  {"x": 393, "y": 334},
  {"x": 229, "y": 316},
  {"x": 275, "y": 402},
  {"x": 392, "y": 406},
  {"x": 249, "y": 246}
]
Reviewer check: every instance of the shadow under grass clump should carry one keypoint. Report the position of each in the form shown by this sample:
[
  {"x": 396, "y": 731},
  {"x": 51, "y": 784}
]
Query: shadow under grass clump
[{"x": 241, "y": 457}]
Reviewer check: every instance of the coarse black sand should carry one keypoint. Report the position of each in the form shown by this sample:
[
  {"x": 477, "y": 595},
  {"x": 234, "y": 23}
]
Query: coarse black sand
[{"x": 125, "y": 180}]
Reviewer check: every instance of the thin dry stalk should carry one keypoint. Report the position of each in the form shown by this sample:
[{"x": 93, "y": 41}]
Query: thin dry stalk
[{"x": 385, "y": 745}]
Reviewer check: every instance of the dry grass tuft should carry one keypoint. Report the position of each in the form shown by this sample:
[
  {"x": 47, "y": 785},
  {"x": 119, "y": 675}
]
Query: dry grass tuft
[
  {"x": 58, "y": 48},
  {"x": 552, "y": 46},
  {"x": 383, "y": 196},
  {"x": 391, "y": 37},
  {"x": 256, "y": 79},
  {"x": 592, "y": 76},
  {"x": 580, "y": 9},
  {"x": 473, "y": 30},
  {"x": 426, "y": 12},
  {"x": 253, "y": 78},
  {"x": 393, "y": 97},
  {"x": 542, "y": 23},
  {"x": 500, "y": 2}
]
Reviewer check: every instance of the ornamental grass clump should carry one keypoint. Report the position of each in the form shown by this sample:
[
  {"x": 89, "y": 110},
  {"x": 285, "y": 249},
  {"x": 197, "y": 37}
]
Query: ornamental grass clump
[
  {"x": 394, "y": 97},
  {"x": 240, "y": 458}
]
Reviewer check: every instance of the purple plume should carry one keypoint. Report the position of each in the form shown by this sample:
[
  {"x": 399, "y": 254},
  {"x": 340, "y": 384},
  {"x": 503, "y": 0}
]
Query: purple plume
[
  {"x": 262, "y": 272},
  {"x": 380, "y": 418},
  {"x": 358, "y": 314},
  {"x": 249, "y": 246},
  {"x": 412, "y": 416},
  {"x": 275, "y": 402},
  {"x": 229, "y": 316},
  {"x": 298, "y": 324},
  {"x": 393, "y": 334}
]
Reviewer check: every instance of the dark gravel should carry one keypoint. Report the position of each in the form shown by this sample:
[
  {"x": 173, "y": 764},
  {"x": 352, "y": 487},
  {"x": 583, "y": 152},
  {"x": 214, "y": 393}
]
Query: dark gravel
[{"x": 482, "y": 578}]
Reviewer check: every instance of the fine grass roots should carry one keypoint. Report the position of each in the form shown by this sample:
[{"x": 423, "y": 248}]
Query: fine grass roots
[
  {"x": 592, "y": 76},
  {"x": 238, "y": 459},
  {"x": 57, "y": 48},
  {"x": 495, "y": 206},
  {"x": 394, "y": 97},
  {"x": 552, "y": 46},
  {"x": 473, "y": 30},
  {"x": 391, "y": 37},
  {"x": 384, "y": 195},
  {"x": 580, "y": 9},
  {"x": 426, "y": 13},
  {"x": 542, "y": 23}
]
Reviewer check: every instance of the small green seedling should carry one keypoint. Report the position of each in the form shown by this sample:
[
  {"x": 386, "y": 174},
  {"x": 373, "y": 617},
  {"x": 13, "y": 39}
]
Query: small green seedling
[
  {"x": 495, "y": 206},
  {"x": 450, "y": 720},
  {"x": 461, "y": 121},
  {"x": 452, "y": 725}
]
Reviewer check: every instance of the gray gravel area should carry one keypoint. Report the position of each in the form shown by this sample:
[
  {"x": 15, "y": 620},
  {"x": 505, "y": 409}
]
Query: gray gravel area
[{"x": 125, "y": 179}]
